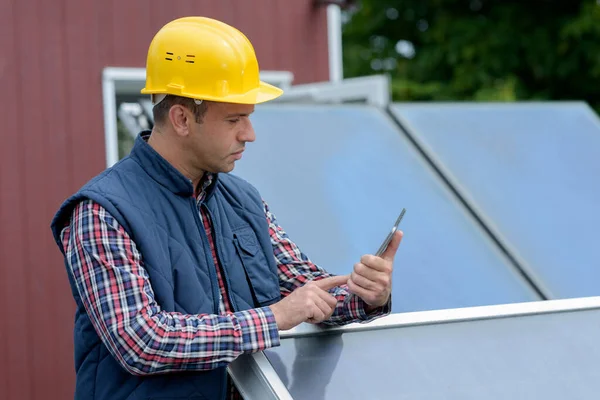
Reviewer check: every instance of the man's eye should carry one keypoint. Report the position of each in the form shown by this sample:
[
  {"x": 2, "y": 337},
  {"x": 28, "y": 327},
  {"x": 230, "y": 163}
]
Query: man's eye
[{"x": 234, "y": 121}]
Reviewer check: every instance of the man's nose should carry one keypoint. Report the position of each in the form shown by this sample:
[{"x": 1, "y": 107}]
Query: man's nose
[{"x": 247, "y": 134}]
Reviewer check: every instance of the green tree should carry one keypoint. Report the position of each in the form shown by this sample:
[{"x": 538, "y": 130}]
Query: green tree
[{"x": 479, "y": 49}]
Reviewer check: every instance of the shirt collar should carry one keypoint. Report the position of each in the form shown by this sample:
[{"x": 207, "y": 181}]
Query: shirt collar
[{"x": 205, "y": 182}]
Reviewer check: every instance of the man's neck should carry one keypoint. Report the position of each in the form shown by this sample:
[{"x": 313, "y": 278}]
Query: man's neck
[{"x": 169, "y": 151}]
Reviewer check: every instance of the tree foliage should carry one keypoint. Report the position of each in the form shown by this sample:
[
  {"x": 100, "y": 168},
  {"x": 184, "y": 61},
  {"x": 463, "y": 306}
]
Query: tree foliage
[{"x": 478, "y": 49}]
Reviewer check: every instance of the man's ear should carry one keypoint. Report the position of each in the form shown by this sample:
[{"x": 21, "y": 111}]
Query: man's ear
[{"x": 180, "y": 118}]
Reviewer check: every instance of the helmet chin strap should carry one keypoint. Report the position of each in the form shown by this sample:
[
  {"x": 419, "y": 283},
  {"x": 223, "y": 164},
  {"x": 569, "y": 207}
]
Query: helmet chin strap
[{"x": 157, "y": 98}]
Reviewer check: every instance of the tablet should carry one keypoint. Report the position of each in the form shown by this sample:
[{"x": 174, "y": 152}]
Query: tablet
[{"x": 387, "y": 240}]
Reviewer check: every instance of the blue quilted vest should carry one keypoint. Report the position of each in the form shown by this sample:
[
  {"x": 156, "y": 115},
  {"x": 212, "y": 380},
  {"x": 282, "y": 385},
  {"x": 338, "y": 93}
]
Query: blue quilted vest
[{"x": 156, "y": 206}]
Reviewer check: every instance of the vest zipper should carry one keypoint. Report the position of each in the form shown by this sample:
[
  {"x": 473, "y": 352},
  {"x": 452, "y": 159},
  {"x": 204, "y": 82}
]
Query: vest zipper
[
  {"x": 219, "y": 260},
  {"x": 212, "y": 273}
]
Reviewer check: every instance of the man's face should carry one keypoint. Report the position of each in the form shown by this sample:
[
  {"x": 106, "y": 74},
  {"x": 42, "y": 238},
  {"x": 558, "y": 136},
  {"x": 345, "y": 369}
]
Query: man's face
[{"x": 217, "y": 143}]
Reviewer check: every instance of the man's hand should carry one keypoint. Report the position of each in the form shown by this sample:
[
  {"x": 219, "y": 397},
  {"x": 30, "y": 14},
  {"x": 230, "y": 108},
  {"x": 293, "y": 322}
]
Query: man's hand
[
  {"x": 371, "y": 279},
  {"x": 309, "y": 303}
]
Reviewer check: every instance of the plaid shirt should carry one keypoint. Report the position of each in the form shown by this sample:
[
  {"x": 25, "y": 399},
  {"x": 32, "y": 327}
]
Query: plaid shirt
[{"x": 115, "y": 289}]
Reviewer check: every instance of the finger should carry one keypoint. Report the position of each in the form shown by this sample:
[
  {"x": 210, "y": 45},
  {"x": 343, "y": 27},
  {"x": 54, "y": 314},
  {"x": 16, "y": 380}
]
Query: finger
[
  {"x": 316, "y": 313},
  {"x": 363, "y": 282},
  {"x": 328, "y": 298},
  {"x": 381, "y": 279},
  {"x": 357, "y": 290},
  {"x": 329, "y": 314},
  {"x": 323, "y": 305},
  {"x": 331, "y": 282},
  {"x": 390, "y": 251},
  {"x": 371, "y": 271}
]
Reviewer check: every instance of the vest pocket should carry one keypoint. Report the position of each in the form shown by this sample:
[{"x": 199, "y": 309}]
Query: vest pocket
[{"x": 264, "y": 282}]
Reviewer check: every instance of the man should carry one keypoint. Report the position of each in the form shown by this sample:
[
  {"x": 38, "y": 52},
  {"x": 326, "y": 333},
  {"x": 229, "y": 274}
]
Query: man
[{"x": 178, "y": 267}]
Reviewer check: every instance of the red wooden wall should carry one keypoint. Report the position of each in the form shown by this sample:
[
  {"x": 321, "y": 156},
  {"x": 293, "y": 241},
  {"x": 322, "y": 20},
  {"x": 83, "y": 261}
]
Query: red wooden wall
[{"x": 52, "y": 141}]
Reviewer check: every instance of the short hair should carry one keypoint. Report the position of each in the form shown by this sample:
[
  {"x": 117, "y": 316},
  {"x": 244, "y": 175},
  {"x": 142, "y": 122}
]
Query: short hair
[{"x": 160, "y": 111}]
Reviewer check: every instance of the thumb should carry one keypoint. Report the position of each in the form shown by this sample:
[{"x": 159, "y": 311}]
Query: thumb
[
  {"x": 390, "y": 251},
  {"x": 331, "y": 282}
]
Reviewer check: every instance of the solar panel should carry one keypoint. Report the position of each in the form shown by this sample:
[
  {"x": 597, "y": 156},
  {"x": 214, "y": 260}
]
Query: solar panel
[
  {"x": 336, "y": 177},
  {"x": 532, "y": 171},
  {"x": 545, "y": 356}
]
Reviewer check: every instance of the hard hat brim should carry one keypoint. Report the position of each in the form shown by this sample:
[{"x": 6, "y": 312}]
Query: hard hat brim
[
  {"x": 263, "y": 93},
  {"x": 268, "y": 92}
]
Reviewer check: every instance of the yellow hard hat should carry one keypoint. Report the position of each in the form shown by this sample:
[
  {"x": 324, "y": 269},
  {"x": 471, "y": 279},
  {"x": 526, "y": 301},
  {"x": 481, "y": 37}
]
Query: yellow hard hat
[{"x": 205, "y": 59}]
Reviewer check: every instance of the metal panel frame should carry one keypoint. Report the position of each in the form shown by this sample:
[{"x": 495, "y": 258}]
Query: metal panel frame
[
  {"x": 257, "y": 379},
  {"x": 452, "y": 315}
]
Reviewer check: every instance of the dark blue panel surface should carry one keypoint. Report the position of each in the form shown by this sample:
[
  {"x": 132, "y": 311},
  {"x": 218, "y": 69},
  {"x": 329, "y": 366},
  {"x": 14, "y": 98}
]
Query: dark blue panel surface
[
  {"x": 337, "y": 177},
  {"x": 547, "y": 356},
  {"x": 533, "y": 171}
]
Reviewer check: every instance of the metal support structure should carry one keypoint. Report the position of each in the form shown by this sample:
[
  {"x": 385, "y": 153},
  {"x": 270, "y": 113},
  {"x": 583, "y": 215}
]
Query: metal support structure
[
  {"x": 133, "y": 116},
  {"x": 372, "y": 90},
  {"x": 334, "y": 43}
]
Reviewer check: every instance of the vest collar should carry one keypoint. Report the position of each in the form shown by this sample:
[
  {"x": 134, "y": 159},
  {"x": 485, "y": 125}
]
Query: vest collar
[{"x": 161, "y": 171}]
